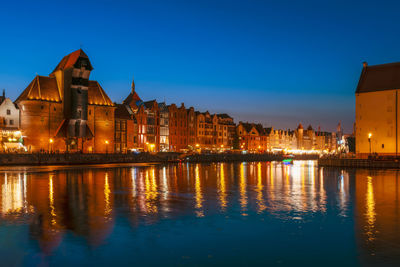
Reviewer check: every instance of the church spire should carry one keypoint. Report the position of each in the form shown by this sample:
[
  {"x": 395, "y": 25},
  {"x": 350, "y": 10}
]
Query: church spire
[{"x": 133, "y": 85}]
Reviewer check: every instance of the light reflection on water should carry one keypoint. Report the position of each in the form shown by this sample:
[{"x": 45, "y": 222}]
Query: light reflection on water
[{"x": 222, "y": 213}]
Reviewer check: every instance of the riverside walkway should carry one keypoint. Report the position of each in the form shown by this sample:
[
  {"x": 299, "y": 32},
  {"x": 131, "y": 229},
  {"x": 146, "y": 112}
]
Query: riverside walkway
[
  {"x": 377, "y": 163},
  {"x": 170, "y": 157}
]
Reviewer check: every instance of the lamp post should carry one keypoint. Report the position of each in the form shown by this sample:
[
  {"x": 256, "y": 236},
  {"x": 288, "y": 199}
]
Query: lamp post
[
  {"x": 369, "y": 140},
  {"x": 106, "y": 142},
  {"x": 51, "y": 141}
]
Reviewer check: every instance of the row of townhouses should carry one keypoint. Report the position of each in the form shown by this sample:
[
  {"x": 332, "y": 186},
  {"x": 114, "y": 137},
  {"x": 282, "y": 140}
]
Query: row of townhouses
[{"x": 67, "y": 112}]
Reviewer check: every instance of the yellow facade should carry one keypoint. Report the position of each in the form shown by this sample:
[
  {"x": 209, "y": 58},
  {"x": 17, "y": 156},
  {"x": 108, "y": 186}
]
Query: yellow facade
[{"x": 377, "y": 115}]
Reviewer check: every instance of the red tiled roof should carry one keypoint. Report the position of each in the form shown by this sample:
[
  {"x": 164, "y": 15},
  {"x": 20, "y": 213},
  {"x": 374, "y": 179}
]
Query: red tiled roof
[
  {"x": 46, "y": 88},
  {"x": 42, "y": 88},
  {"x": 97, "y": 96},
  {"x": 132, "y": 99},
  {"x": 69, "y": 60},
  {"x": 122, "y": 112}
]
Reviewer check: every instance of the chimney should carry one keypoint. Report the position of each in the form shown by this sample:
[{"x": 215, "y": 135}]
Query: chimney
[
  {"x": 365, "y": 64},
  {"x": 4, "y": 93}
]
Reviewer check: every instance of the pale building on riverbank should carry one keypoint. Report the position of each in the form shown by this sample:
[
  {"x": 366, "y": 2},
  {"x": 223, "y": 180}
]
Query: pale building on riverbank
[{"x": 377, "y": 110}]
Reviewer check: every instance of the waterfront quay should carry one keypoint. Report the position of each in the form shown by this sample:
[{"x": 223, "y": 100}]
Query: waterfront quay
[
  {"x": 376, "y": 163},
  {"x": 80, "y": 158}
]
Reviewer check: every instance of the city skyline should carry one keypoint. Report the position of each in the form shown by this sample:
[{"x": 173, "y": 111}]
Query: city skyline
[{"x": 261, "y": 62}]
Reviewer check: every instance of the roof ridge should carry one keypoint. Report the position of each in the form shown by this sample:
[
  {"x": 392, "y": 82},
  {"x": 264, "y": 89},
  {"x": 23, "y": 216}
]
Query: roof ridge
[{"x": 30, "y": 89}]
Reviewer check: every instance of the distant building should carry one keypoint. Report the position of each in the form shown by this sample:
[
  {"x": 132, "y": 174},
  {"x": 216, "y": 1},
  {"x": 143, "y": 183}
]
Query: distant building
[{"x": 377, "y": 110}]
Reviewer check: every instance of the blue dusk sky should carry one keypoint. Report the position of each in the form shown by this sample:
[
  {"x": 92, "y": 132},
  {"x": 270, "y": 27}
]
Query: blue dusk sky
[{"x": 274, "y": 62}]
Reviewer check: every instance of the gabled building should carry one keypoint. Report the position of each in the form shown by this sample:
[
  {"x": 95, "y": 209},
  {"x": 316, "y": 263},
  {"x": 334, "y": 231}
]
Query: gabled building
[
  {"x": 191, "y": 128},
  {"x": 228, "y": 130},
  {"x": 252, "y": 137},
  {"x": 150, "y": 108},
  {"x": 178, "y": 128},
  {"x": 66, "y": 111},
  {"x": 377, "y": 110},
  {"x": 204, "y": 125},
  {"x": 11, "y": 137},
  {"x": 126, "y": 129},
  {"x": 148, "y": 121},
  {"x": 164, "y": 127}
]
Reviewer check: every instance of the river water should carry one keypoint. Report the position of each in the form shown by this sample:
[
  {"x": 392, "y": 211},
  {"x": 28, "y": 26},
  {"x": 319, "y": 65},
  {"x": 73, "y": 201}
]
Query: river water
[{"x": 199, "y": 214}]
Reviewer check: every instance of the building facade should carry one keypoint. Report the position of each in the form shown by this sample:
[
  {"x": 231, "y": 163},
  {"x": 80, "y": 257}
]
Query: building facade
[
  {"x": 11, "y": 137},
  {"x": 164, "y": 127},
  {"x": 377, "y": 110},
  {"x": 66, "y": 111}
]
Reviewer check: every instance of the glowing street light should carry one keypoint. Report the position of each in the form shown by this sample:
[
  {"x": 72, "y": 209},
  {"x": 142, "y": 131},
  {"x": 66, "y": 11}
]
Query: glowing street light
[
  {"x": 369, "y": 140},
  {"x": 106, "y": 142},
  {"x": 152, "y": 147},
  {"x": 51, "y": 141}
]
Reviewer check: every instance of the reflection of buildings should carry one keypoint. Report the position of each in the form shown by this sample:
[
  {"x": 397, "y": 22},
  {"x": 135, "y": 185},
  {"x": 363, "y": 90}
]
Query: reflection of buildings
[
  {"x": 13, "y": 194},
  {"x": 377, "y": 214},
  {"x": 88, "y": 202}
]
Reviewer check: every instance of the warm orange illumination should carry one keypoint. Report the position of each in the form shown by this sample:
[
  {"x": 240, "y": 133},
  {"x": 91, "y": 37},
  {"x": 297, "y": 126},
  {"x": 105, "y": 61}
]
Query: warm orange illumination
[
  {"x": 369, "y": 135},
  {"x": 51, "y": 140},
  {"x": 106, "y": 142}
]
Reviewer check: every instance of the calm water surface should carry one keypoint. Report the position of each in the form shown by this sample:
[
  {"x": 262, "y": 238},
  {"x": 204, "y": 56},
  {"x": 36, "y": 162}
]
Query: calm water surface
[{"x": 199, "y": 214}]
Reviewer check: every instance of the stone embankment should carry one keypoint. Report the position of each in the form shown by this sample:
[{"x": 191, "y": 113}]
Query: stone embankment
[
  {"x": 81, "y": 159},
  {"x": 375, "y": 163}
]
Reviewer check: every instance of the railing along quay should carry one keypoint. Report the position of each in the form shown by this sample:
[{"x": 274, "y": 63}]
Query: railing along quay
[{"x": 13, "y": 159}]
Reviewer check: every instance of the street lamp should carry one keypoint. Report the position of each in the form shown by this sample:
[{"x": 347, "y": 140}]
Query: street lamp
[
  {"x": 51, "y": 141},
  {"x": 369, "y": 140},
  {"x": 106, "y": 142}
]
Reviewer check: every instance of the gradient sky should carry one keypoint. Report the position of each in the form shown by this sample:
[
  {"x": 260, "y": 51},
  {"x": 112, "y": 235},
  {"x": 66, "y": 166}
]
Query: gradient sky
[{"x": 274, "y": 62}]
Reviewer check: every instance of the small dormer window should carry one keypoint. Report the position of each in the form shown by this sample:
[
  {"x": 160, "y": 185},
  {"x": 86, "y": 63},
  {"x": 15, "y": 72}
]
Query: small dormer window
[{"x": 8, "y": 112}]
